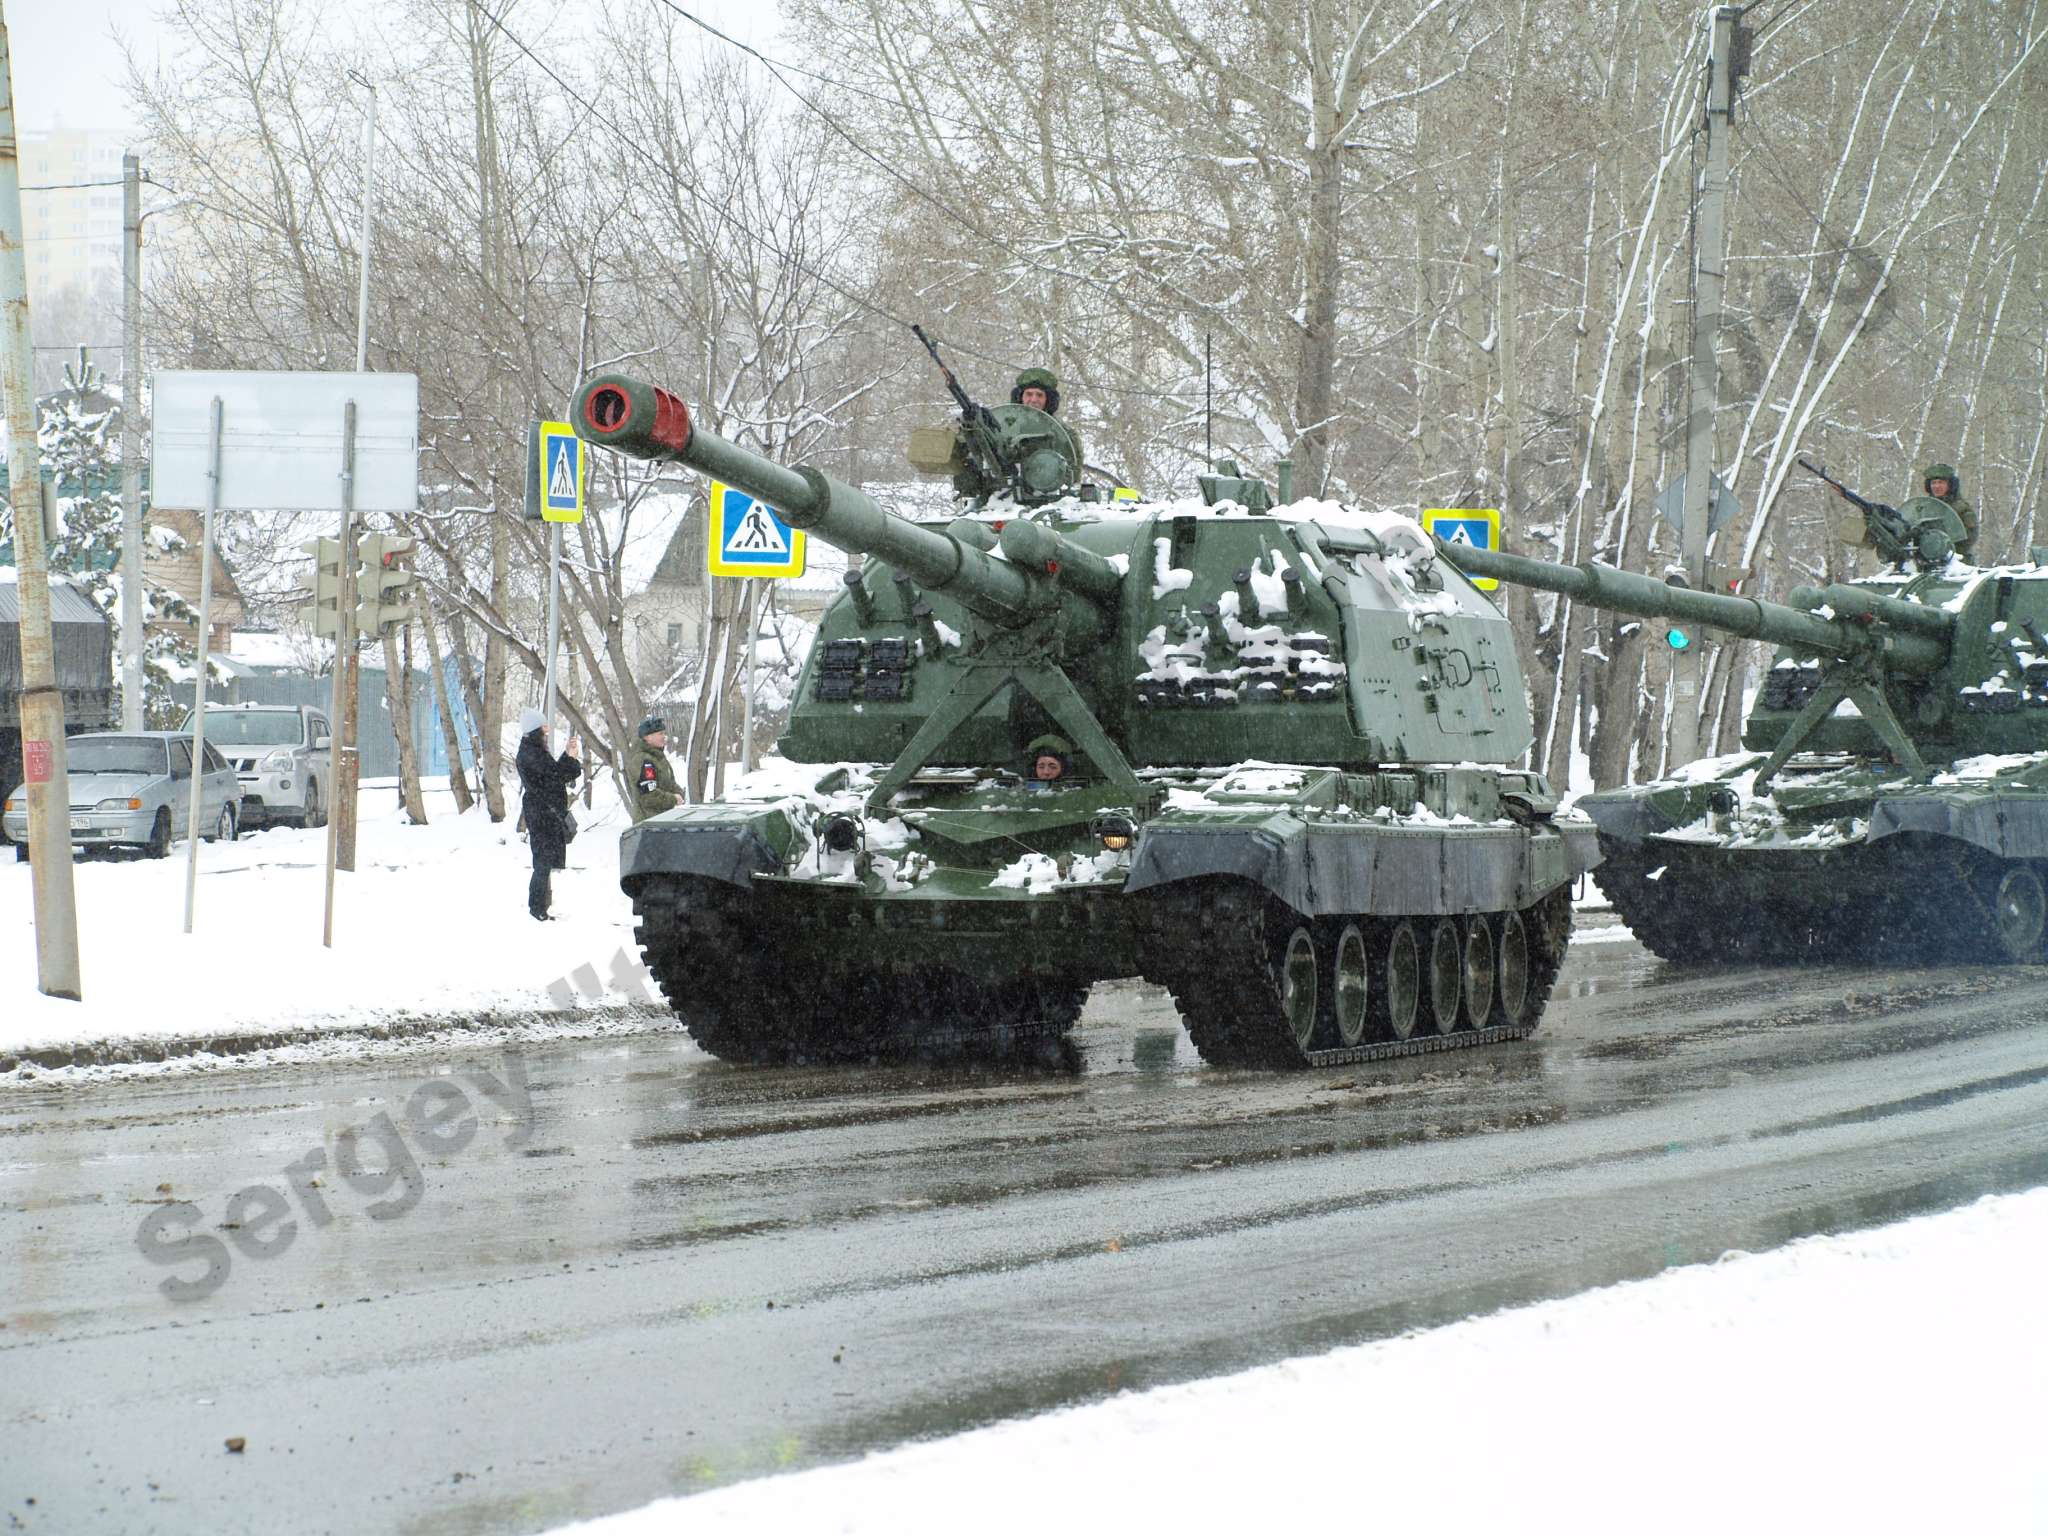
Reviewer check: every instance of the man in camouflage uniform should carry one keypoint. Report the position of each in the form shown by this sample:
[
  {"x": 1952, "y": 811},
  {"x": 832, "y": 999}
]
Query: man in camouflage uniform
[
  {"x": 650, "y": 782},
  {"x": 1942, "y": 484}
]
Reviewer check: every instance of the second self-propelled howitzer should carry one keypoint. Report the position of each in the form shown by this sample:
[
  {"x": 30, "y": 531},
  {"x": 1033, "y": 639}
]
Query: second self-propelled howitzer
[
  {"x": 1892, "y": 802},
  {"x": 1261, "y": 758}
]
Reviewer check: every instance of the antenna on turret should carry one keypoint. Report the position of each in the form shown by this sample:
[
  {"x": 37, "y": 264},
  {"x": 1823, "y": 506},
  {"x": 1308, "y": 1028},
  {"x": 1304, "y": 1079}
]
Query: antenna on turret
[{"x": 1208, "y": 401}]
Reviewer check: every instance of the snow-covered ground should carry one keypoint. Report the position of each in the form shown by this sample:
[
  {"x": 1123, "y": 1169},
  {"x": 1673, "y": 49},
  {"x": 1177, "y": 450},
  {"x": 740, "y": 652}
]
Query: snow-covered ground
[
  {"x": 1888, "y": 1381},
  {"x": 431, "y": 926}
]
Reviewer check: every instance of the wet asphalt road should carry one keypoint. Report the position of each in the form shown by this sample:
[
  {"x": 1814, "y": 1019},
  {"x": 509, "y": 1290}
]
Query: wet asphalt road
[{"x": 675, "y": 1273}]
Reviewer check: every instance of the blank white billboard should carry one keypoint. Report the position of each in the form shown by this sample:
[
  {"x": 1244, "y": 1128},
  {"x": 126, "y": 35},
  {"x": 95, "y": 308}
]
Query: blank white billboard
[{"x": 281, "y": 437}]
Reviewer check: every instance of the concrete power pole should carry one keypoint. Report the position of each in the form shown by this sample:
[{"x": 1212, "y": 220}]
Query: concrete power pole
[
  {"x": 131, "y": 443},
  {"x": 1704, "y": 376},
  {"x": 42, "y": 706}
]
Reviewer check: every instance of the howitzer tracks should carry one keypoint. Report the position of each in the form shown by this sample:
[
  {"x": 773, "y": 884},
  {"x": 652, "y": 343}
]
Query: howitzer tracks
[
  {"x": 1260, "y": 986},
  {"x": 1257, "y": 986},
  {"x": 698, "y": 936},
  {"x": 1911, "y": 898}
]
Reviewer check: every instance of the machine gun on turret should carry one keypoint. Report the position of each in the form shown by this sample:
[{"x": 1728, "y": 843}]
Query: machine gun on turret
[
  {"x": 1009, "y": 450},
  {"x": 1923, "y": 533}
]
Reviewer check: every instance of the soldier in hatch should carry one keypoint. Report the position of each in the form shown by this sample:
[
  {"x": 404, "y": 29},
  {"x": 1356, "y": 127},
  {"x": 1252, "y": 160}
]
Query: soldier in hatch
[
  {"x": 650, "y": 782},
  {"x": 1039, "y": 388},
  {"x": 1942, "y": 484}
]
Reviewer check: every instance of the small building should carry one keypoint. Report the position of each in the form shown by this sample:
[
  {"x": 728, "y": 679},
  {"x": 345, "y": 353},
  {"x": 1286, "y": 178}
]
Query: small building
[
  {"x": 180, "y": 573},
  {"x": 83, "y": 645}
]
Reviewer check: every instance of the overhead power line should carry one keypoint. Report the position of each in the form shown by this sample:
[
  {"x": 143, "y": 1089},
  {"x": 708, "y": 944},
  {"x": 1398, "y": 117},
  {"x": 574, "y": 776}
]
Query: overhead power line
[{"x": 739, "y": 226}]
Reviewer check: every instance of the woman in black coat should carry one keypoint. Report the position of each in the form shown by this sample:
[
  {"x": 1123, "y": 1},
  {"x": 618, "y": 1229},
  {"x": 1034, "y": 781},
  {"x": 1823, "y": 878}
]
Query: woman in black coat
[{"x": 545, "y": 781}]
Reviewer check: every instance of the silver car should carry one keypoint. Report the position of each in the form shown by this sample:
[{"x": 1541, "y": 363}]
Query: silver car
[
  {"x": 281, "y": 756},
  {"x": 135, "y": 790}
]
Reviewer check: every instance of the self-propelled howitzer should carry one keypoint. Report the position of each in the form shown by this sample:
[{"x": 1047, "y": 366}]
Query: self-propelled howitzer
[
  {"x": 1243, "y": 755},
  {"x": 1893, "y": 798}
]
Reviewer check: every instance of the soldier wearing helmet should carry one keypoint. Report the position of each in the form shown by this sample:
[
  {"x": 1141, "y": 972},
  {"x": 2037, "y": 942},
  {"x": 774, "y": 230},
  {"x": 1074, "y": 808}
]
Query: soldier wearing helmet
[
  {"x": 1942, "y": 483},
  {"x": 1039, "y": 388}
]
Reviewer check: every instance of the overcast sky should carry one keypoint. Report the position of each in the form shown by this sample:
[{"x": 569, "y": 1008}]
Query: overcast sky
[{"x": 68, "y": 70}]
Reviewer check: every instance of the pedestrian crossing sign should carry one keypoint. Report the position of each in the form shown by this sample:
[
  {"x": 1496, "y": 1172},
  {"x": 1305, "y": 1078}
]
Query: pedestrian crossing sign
[
  {"x": 748, "y": 539},
  {"x": 1478, "y": 527},
  {"x": 561, "y": 477}
]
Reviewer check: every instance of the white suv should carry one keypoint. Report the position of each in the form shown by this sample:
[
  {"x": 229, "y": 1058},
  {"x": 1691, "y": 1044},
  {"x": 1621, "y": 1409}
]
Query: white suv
[{"x": 281, "y": 757}]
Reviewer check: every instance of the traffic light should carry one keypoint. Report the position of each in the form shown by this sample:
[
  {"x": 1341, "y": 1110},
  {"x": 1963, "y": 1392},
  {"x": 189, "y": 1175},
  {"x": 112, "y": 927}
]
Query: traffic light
[
  {"x": 1726, "y": 578},
  {"x": 323, "y": 614},
  {"x": 383, "y": 585},
  {"x": 1677, "y": 638}
]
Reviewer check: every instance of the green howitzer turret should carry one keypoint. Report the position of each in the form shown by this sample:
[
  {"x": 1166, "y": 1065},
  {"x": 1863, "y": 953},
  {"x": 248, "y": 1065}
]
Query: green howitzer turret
[
  {"x": 1266, "y": 757},
  {"x": 1893, "y": 797}
]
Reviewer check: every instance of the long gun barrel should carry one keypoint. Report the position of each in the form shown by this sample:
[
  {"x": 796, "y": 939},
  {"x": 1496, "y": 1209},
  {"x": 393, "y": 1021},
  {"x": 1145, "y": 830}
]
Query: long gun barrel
[
  {"x": 969, "y": 411},
  {"x": 1041, "y": 569},
  {"x": 1910, "y": 637}
]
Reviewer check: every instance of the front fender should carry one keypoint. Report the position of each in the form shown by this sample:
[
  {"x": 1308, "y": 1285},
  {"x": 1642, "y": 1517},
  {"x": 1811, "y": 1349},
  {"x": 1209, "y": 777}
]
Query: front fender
[{"x": 713, "y": 842}]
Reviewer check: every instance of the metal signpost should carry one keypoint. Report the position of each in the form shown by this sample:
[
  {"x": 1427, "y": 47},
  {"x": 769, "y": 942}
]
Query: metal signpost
[
  {"x": 749, "y": 542},
  {"x": 192, "y": 815},
  {"x": 557, "y": 470},
  {"x": 289, "y": 442}
]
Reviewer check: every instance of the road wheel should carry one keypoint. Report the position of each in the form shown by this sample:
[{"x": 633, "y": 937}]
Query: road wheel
[
  {"x": 1446, "y": 967},
  {"x": 1294, "y": 982},
  {"x": 1350, "y": 985},
  {"x": 315, "y": 814},
  {"x": 224, "y": 828},
  {"x": 2019, "y": 914},
  {"x": 1477, "y": 971},
  {"x": 159, "y": 844},
  {"x": 1511, "y": 974},
  {"x": 1398, "y": 993}
]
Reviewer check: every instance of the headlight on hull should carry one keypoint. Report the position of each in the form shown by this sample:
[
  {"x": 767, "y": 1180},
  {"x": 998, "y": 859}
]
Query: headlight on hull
[
  {"x": 119, "y": 804},
  {"x": 1114, "y": 831}
]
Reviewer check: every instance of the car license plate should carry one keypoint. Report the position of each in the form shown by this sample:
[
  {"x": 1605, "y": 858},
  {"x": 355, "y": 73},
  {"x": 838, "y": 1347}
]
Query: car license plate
[{"x": 81, "y": 824}]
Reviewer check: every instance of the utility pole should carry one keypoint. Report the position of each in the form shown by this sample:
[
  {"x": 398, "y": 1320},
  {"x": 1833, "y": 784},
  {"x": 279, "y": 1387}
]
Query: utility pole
[
  {"x": 346, "y": 665},
  {"x": 42, "y": 706},
  {"x": 1704, "y": 376},
  {"x": 131, "y": 443}
]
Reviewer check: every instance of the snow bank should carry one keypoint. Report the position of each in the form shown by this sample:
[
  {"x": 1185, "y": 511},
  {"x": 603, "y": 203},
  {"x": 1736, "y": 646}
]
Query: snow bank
[
  {"x": 431, "y": 924},
  {"x": 1889, "y": 1381}
]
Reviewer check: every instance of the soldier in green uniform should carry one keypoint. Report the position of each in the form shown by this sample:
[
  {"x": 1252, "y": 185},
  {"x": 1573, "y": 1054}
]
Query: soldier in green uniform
[
  {"x": 650, "y": 782},
  {"x": 1941, "y": 482}
]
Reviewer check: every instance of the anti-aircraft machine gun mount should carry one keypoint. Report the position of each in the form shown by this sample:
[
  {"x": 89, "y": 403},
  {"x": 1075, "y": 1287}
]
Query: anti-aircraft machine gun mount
[
  {"x": 1892, "y": 801},
  {"x": 1259, "y": 758}
]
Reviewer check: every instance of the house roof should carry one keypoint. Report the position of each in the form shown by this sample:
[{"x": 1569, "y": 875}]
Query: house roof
[{"x": 68, "y": 605}]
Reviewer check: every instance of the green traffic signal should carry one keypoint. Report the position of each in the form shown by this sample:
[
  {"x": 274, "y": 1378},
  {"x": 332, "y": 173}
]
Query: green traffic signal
[{"x": 1677, "y": 638}]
